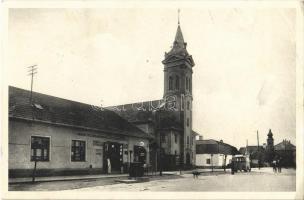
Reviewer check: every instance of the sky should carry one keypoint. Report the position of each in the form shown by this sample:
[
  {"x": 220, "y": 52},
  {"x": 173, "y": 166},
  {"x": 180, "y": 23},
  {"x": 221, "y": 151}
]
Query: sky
[{"x": 243, "y": 78}]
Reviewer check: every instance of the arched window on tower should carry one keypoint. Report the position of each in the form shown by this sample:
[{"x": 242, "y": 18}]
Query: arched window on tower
[
  {"x": 170, "y": 83},
  {"x": 187, "y": 86},
  {"x": 177, "y": 82}
]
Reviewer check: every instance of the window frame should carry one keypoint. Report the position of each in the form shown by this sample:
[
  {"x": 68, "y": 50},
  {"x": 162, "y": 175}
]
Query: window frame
[
  {"x": 170, "y": 84},
  {"x": 177, "y": 85},
  {"x": 208, "y": 161},
  {"x": 49, "y": 148},
  {"x": 72, "y": 157},
  {"x": 188, "y": 105}
]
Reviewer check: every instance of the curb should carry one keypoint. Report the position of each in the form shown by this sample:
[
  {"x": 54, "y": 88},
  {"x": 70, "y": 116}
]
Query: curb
[{"x": 66, "y": 179}]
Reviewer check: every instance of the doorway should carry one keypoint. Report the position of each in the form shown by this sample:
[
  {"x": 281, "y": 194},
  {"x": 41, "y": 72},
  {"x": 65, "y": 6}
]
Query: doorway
[
  {"x": 140, "y": 154},
  {"x": 114, "y": 152}
]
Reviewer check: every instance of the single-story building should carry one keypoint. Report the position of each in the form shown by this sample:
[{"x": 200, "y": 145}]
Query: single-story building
[
  {"x": 213, "y": 154},
  {"x": 68, "y": 137},
  {"x": 286, "y": 151}
]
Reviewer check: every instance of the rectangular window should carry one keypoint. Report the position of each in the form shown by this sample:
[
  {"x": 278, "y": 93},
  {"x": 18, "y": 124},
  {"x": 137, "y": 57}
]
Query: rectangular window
[
  {"x": 175, "y": 138},
  {"x": 208, "y": 161},
  {"x": 78, "y": 150},
  {"x": 40, "y": 148},
  {"x": 188, "y": 122},
  {"x": 187, "y": 140},
  {"x": 191, "y": 140}
]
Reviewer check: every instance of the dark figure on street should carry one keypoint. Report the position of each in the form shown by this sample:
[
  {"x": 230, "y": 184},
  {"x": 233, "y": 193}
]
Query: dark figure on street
[
  {"x": 232, "y": 167},
  {"x": 195, "y": 174},
  {"x": 274, "y": 166},
  {"x": 279, "y": 163}
]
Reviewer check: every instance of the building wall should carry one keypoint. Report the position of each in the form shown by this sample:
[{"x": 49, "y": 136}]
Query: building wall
[
  {"x": 20, "y": 133},
  {"x": 217, "y": 160},
  {"x": 175, "y": 147}
]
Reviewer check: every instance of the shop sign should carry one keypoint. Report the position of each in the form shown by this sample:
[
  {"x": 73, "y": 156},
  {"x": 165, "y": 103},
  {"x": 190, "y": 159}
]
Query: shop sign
[{"x": 97, "y": 143}]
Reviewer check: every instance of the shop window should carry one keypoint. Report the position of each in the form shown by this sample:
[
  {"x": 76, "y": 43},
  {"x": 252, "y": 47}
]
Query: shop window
[
  {"x": 208, "y": 161},
  {"x": 40, "y": 148},
  {"x": 78, "y": 150}
]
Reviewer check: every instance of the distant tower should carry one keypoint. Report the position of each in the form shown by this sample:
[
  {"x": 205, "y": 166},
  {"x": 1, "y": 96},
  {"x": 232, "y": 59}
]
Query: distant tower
[
  {"x": 270, "y": 139},
  {"x": 178, "y": 65},
  {"x": 269, "y": 147}
]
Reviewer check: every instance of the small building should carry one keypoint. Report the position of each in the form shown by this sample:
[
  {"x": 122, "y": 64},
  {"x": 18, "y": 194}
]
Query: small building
[
  {"x": 286, "y": 151},
  {"x": 213, "y": 154},
  {"x": 68, "y": 137},
  {"x": 256, "y": 154}
]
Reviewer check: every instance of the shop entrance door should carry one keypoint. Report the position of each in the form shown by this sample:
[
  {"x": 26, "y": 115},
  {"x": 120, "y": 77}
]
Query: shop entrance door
[{"x": 113, "y": 152}]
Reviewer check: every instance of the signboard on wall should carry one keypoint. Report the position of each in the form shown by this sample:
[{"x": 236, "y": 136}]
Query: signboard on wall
[{"x": 97, "y": 143}]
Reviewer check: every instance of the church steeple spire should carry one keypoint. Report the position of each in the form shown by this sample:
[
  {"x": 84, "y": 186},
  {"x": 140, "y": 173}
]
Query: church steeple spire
[{"x": 178, "y": 17}]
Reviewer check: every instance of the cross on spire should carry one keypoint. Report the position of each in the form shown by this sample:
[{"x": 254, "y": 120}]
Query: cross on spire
[{"x": 178, "y": 13}]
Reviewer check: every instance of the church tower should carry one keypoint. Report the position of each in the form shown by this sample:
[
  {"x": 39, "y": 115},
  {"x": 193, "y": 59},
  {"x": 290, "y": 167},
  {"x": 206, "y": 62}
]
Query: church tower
[
  {"x": 269, "y": 147},
  {"x": 178, "y": 64}
]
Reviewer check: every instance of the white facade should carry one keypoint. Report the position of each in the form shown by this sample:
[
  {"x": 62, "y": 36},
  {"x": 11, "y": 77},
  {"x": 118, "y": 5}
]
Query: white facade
[{"x": 212, "y": 160}]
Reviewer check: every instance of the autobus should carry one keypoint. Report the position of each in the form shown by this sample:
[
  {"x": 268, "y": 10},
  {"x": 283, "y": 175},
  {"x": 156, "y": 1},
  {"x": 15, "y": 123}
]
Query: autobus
[{"x": 240, "y": 163}]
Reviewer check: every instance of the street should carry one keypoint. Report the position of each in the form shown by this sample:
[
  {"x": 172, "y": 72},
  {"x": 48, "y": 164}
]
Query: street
[{"x": 256, "y": 180}]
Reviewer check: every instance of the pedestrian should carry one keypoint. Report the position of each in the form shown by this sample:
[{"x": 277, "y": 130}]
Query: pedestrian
[
  {"x": 280, "y": 165},
  {"x": 109, "y": 165},
  {"x": 232, "y": 167},
  {"x": 274, "y": 166}
]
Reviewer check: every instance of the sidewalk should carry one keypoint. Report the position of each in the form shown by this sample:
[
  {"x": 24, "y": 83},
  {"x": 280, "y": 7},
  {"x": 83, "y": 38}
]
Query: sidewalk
[
  {"x": 102, "y": 176},
  {"x": 65, "y": 178}
]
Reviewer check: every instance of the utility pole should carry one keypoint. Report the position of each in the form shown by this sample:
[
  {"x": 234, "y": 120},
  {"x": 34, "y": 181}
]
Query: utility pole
[{"x": 32, "y": 71}]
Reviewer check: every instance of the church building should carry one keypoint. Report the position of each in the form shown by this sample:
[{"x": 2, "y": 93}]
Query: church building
[{"x": 169, "y": 119}]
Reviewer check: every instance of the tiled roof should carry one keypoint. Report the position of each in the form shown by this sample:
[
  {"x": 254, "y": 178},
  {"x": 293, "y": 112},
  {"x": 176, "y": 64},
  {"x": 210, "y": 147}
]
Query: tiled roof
[
  {"x": 284, "y": 145},
  {"x": 56, "y": 110},
  {"x": 148, "y": 112},
  {"x": 251, "y": 149},
  {"x": 214, "y": 147}
]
